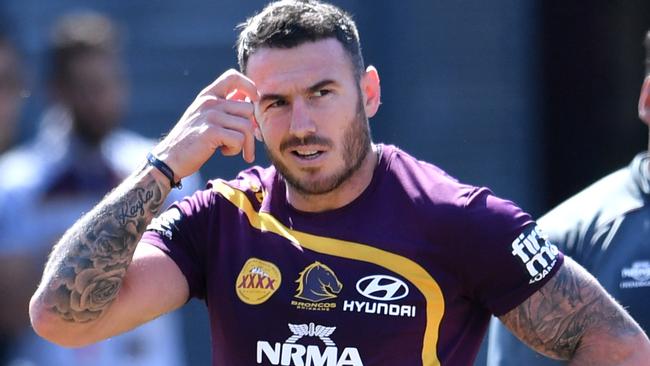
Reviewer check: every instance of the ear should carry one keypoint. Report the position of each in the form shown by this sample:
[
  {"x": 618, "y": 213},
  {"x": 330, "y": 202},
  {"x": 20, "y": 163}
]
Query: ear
[
  {"x": 644, "y": 101},
  {"x": 371, "y": 91}
]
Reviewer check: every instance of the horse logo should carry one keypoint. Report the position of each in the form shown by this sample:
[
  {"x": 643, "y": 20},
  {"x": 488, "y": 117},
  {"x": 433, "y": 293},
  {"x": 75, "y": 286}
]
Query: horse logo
[{"x": 317, "y": 282}]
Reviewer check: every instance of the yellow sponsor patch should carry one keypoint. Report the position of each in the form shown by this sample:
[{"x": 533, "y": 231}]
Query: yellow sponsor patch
[{"x": 257, "y": 281}]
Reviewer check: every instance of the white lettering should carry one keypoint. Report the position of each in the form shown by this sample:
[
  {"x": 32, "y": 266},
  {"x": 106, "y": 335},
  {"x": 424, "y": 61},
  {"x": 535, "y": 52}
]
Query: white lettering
[
  {"x": 407, "y": 311},
  {"x": 536, "y": 252},
  {"x": 370, "y": 308},
  {"x": 518, "y": 249},
  {"x": 348, "y": 305},
  {"x": 272, "y": 354},
  {"x": 544, "y": 273},
  {"x": 359, "y": 305},
  {"x": 379, "y": 308},
  {"x": 292, "y": 352},
  {"x": 289, "y": 354},
  {"x": 350, "y": 356},
  {"x": 635, "y": 284},
  {"x": 393, "y": 309},
  {"x": 537, "y": 259},
  {"x": 315, "y": 358},
  {"x": 639, "y": 271}
]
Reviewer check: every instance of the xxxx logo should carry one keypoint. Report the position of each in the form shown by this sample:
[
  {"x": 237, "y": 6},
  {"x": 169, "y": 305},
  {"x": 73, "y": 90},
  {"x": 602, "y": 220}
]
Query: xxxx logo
[{"x": 257, "y": 281}]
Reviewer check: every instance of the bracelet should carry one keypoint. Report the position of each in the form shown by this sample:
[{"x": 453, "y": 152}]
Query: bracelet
[{"x": 165, "y": 169}]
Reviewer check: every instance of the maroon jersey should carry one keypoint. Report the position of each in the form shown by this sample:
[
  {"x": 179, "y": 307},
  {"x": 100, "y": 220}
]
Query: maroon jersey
[{"x": 406, "y": 274}]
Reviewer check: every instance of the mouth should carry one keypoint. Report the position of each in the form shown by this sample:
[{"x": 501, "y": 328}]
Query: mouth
[{"x": 307, "y": 153}]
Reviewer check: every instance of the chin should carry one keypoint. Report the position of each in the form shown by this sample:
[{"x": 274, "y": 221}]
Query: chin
[{"x": 315, "y": 185}]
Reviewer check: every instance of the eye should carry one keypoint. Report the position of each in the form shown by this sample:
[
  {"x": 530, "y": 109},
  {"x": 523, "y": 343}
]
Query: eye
[
  {"x": 276, "y": 104},
  {"x": 321, "y": 92}
]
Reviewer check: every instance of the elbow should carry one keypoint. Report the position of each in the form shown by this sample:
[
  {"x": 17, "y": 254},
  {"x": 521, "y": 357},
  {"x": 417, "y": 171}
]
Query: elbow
[
  {"x": 45, "y": 323},
  {"x": 54, "y": 328},
  {"x": 639, "y": 350},
  {"x": 631, "y": 348},
  {"x": 636, "y": 351}
]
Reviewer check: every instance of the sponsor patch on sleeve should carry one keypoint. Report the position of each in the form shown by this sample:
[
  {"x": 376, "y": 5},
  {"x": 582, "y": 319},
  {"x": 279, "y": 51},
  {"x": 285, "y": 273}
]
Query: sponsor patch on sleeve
[
  {"x": 165, "y": 224},
  {"x": 538, "y": 255}
]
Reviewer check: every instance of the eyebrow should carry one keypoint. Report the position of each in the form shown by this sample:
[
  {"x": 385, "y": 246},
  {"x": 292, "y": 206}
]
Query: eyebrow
[{"x": 310, "y": 89}]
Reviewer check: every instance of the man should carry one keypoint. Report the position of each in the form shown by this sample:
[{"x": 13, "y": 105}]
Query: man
[
  {"x": 343, "y": 252},
  {"x": 79, "y": 154},
  {"x": 605, "y": 229},
  {"x": 11, "y": 84}
]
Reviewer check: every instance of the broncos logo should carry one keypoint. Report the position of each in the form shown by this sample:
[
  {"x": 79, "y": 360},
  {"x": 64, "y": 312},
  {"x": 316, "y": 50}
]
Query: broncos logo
[{"x": 317, "y": 282}]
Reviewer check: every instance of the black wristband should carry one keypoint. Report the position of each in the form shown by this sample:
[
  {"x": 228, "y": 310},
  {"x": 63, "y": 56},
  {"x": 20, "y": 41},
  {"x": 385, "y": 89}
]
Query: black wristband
[{"x": 165, "y": 169}]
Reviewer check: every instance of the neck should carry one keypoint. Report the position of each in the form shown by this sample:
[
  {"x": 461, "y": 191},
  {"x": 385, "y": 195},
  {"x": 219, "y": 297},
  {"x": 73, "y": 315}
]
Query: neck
[{"x": 347, "y": 192}]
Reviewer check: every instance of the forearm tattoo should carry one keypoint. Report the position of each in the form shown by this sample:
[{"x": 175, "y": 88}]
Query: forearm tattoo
[
  {"x": 86, "y": 268},
  {"x": 554, "y": 320}
]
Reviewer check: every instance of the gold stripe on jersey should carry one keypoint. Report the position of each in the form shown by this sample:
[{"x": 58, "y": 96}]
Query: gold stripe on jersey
[{"x": 346, "y": 249}]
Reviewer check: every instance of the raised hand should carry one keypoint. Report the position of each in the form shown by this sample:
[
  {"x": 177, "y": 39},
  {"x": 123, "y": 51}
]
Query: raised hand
[{"x": 221, "y": 117}]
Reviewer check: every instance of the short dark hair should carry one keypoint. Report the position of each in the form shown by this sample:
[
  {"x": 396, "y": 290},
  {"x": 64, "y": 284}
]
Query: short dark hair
[
  {"x": 290, "y": 23},
  {"x": 78, "y": 34}
]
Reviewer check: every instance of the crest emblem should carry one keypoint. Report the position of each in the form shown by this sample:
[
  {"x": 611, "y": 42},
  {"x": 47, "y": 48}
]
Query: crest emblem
[{"x": 317, "y": 282}]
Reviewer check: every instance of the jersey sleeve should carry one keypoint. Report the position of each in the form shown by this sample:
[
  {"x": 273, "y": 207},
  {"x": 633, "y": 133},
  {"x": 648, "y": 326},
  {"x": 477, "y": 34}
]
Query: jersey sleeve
[
  {"x": 511, "y": 257},
  {"x": 181, "y": 233}
]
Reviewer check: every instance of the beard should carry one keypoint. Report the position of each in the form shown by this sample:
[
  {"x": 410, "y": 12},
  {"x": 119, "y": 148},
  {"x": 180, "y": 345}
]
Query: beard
[{"x": 356, "y": 146}]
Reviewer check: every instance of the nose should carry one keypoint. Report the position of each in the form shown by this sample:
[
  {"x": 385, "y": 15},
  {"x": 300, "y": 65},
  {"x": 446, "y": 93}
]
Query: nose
[{"x": 302, "y": 125}]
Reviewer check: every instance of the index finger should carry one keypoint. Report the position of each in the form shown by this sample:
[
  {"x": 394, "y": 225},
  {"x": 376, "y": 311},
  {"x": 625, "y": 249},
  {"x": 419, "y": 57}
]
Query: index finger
[{"x": 229, "y": 81}]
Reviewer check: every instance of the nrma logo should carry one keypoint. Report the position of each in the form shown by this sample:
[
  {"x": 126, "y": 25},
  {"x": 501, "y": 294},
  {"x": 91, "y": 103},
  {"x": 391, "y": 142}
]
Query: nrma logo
[
  {"x": 536, "y": 252},
  {"x": 290, "y": 353}
]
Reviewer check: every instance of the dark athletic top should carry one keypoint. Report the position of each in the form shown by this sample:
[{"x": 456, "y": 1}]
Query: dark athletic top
[{"x": 406, "y": 274}]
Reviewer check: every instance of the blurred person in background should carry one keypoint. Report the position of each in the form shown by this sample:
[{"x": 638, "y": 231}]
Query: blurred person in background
[
  {"x": 79, "y": 154},
  {"x": 11, "y": 84},
  {"x": 342, "y": 252},
  {"x": 606, "y": 228}
]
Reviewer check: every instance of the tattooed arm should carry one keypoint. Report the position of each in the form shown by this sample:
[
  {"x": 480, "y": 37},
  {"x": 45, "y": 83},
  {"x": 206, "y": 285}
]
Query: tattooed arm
[
  {"x": 98, "y": 281},
  {"x": 90, "y": 288},
  {"x": 573, "y": 318}
]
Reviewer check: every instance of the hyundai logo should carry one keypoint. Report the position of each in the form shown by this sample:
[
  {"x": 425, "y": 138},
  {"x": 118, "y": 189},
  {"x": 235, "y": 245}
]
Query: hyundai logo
[{"x": 382, "y": 288}]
